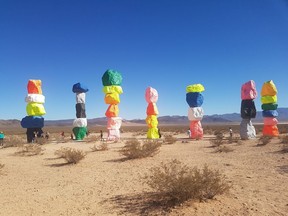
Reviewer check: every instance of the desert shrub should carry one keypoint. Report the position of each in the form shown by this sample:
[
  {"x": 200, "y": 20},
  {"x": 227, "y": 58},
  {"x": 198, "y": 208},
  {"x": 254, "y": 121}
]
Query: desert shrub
[
  {"x": 41, "y": 140},
  {"x": 29, "y": 150},
  {"x": 208, "y": 131},
  {"x": 218, "y": 140},
  {"x": 285, "y": 148},
  {"x": 13, "y": 141},
  {"x": 225, "y": 149},
  {"x": 135, "y": 149},
  {"x": 282, "y": 129},
  {"x": 284, "y": 139},
  {"x": 70, "y": 155},
  {"x": 178, "y": 182},
  {"x": 1, "y": 167},
  {"x": 169, "y": 139},
  {"x": 233, "y": 139},
  {"x": 60, "y": 139},
  {"x": 218, "y": 134},
  {"x": 92, "y": 139},
  {"x": 101, "y": 147},
  {"x": 264, "y": 140}
]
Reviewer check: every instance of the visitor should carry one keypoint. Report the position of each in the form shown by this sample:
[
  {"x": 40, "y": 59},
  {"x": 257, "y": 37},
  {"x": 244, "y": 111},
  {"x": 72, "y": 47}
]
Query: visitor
[
  {"x": 2, "y": 136},
  {"x": 101, "y": 135},
  {"x": 159, "y": 133},
  {"x": 47, "y": 135},
  {"x": 87, "y": 133},
  {"x": 189, "y": 133},
  {"x": 35, "y": 135},
  {"x": 230, "y": 132}
]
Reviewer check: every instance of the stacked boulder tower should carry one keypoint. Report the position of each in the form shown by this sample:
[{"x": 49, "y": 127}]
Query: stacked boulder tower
[
  {"x": 112, "y": 81},
  {"x": 151, "y": 96},
  {"x": 269, "y": 109},
  {"x": 34, "y": 121},
  {"x": 80, "y": 123},
  {"x": 195, "y": 99},
  {"x": 248, "y": 110}
]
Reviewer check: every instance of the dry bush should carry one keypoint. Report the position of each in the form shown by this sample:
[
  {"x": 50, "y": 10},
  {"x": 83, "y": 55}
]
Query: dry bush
[
  {"x": 169, "y": 139},
  {"x": 1, "y": 167},
  {"x": 282, "y": 128},
  {"x": 13, "y": 141},
  {"x": 41, "y": 140},
  {"x": 177, "y": 182},
  {"x": 264, "y": 140},
  {"x": 218, "y": 140},
  {"x": 70, "y": 155},
  {"x": 233, "y": 139},
  {"x": 101, "y": 147},
  {"x": 92, "y": 138},
  {"x": 139, "y": 133},
  {"x": 285, "y": 148},
  {"x": 208, "y": 131},
  {"x": 135, "y": 149},
  {"x": 60, "y": 139},
  {"x": 29, "y": 150},
  {"x": 225, "y": 149},
  {"x": 284, "y": 139}
]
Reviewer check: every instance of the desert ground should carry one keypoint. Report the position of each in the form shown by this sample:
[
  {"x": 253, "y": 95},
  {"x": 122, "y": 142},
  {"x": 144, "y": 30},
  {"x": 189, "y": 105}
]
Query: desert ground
[{"x": 106, "y": 183}]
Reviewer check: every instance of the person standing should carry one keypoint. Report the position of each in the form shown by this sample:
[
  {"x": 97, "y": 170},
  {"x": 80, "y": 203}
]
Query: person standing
[
  {"x": 2, "y": 136},
  {"x": 230, "y": 132},
  {"x": 189, "y": 133},
  {"x": 47, "y": 135},
  {"x": 101, "y": 135}
]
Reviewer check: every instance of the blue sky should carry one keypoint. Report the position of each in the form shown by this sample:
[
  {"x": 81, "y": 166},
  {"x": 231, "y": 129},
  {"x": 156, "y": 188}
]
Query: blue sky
[{"x": 164, "y": 44}]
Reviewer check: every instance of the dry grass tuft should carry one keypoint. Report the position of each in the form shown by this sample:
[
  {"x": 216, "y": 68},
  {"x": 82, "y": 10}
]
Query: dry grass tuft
[
  {"x": 92, "y": 138},
  {"x": 264, "y": 140},
  {"x": 29, "y": 150},
  {"x": 1, "y": 167},
  {"x": 225, "y": 149},
  {"x": 13, "y": 141},
  {"x": 285, "y": 148},
  {"x": 234, "y": 139},
  {"x": 60, "y": 139},
  {"x": 169, "y": 139},
  {"x": 41, "y": 140},
  {"x": 101, "y": 147},
  {"x": 218, "y": 140},
  {"x": 284, "y": 139},
  {"x": 135, "y": 149},
  {"x": 178, "y": 182},
  {"x": 70, "y": 155}
]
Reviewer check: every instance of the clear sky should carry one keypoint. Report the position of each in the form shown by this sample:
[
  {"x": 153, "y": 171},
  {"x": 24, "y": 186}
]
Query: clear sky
[{"x": 164, "y": 44}]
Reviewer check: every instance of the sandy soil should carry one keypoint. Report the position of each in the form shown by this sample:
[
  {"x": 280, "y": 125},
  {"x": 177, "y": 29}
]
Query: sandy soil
[{"x": 105, "y": 184}]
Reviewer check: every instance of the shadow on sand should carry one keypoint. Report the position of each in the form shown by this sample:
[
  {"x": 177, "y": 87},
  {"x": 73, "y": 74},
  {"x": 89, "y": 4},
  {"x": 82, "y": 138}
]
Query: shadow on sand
[{"x": 141, "y": 204}]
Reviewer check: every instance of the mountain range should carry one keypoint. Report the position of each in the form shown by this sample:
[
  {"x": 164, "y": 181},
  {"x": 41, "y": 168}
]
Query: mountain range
[{"x": 175, "y": 119}]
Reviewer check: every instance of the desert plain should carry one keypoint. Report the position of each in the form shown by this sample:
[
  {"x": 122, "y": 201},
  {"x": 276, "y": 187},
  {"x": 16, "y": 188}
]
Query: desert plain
[{"x": 107, "y": 183}]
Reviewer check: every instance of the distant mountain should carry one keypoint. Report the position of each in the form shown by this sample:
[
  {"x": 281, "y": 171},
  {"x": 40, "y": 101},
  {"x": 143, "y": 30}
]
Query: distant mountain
[
  {"x": 236, "y": 117},
  {"x": 175, "y": 119}
]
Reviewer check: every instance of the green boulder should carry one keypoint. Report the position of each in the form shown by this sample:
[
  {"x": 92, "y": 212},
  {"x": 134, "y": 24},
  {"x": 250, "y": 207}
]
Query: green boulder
[
  {"x": 79, "y": 132},
  {"x": 111, "y": 77}
]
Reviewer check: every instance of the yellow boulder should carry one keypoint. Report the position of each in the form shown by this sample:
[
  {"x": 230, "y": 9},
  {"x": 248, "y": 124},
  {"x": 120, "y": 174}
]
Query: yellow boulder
[
  {"x": 153, "y": 133},
  {"x": 269, "y": 99},
  {"x": 35, "y": 109},
  {"x": 152, "y": 121},
  {"x": 195, "y": 88},
  {"x": 112, "y": 89}
]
